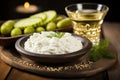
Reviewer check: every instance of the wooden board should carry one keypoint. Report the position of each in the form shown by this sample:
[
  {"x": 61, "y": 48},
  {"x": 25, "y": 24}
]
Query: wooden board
[{"x": 73, "y": 70}]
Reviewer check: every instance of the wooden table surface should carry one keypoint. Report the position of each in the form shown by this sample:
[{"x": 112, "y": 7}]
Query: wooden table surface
[{"x": 111, "y": 30}]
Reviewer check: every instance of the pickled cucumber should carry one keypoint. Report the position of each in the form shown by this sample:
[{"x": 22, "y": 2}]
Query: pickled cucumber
[
  {"x": 51, "y": 15},
  {"x": 58, "y": 19},
  {"x": 40, "y": 29},
  {"x": 7, "y": 26},
  {"x": 64, "y": 22},
  {"x": 29, "y": 30},
  {"x": 16, "y": 32},
  {"x": 39, "y": 15},
  {"x": 51, "y": 26},
  {"x": 27, "y": 22}
]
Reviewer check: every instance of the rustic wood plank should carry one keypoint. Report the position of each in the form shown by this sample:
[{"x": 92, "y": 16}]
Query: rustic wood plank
[
  {"x": 112, "y": 31},
  {"x": 4, "y": 70}
]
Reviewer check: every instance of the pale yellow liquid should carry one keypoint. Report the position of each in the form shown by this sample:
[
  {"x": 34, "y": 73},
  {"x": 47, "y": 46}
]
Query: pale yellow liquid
[{"x": 87, "y": 24}]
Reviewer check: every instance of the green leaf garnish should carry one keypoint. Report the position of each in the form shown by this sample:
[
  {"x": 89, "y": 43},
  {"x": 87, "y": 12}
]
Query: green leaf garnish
[
  {"x": 56, "y": 34},
  {"x": 100, "y": 51}
]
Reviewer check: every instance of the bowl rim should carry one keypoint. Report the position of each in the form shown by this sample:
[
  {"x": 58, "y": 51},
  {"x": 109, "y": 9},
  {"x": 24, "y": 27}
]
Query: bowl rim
[
  {"x": 9, "y": 37},
  {"x": 82, "y": 51}
]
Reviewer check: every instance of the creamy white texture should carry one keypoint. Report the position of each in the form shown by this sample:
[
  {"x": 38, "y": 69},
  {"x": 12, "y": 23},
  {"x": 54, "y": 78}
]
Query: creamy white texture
[{"x": 41, "y": 44}]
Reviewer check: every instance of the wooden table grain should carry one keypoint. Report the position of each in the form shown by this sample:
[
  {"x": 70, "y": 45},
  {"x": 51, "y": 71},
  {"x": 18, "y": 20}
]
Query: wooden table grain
[{"x": 111, "y": 30}]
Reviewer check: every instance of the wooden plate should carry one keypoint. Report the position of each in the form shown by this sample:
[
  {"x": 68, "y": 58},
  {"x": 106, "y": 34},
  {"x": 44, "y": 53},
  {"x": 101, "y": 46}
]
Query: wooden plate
[{"x": 72, "y": 70}]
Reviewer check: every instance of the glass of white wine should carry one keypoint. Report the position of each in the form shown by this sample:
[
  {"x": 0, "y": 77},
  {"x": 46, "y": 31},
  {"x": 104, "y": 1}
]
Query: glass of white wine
[{"x": 87, "y": 19}]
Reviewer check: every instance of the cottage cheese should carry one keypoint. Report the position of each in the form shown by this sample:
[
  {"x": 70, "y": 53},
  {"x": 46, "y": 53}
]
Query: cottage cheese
[{"x": 42, "y": 44}]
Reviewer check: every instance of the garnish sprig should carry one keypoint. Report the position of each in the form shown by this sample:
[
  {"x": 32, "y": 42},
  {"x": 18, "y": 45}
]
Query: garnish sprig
[
  {"x": 56, "y": 34},
  {"x": 100, "y": 51}
]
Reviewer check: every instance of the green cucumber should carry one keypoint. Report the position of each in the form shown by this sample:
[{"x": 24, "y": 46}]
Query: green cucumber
[
  {"x": 58, "y": 19},
  {"x": 51, "y": 16},
  {"x": 29, "y": 30},
  {"x": 64, "y": 23},
  {"x": 7, "y": 26},
  {"x": 50, "y": 26},
  {"x": 16, "y": 32},
  {"x": 27, "y": 22},
  {"x": 40, "y": 29},
  {"x": 39, "y": 15}
]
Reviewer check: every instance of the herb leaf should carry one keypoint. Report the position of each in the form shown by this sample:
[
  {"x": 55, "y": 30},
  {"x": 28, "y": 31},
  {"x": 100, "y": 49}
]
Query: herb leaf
[
  {"x": 100, "y": 51},
  {"x": 56, "y": 34}
]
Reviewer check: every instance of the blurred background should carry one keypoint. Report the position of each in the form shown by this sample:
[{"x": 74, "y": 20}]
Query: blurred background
[{"x": 8, "y": 8}]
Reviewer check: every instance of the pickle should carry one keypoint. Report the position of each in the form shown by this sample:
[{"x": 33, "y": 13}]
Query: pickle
[
  {"x": 51, "y": 16},
  {"x": 7, "y": 26},
  {"x": 27, "y": 22},
  {"x": 16, "y": 32},
  {"x": 41, "y": 15},
  {"x": 58, "y": 19},
  {"x": 64, "y": 22},
  {"x": 40, "y": 29},
  {"x": 29, "y": 30},
  {"x": 50, "y": 26}
]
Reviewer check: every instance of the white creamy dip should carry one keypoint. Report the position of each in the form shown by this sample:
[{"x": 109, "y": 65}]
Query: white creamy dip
[{"x": 43, "y": 44}]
